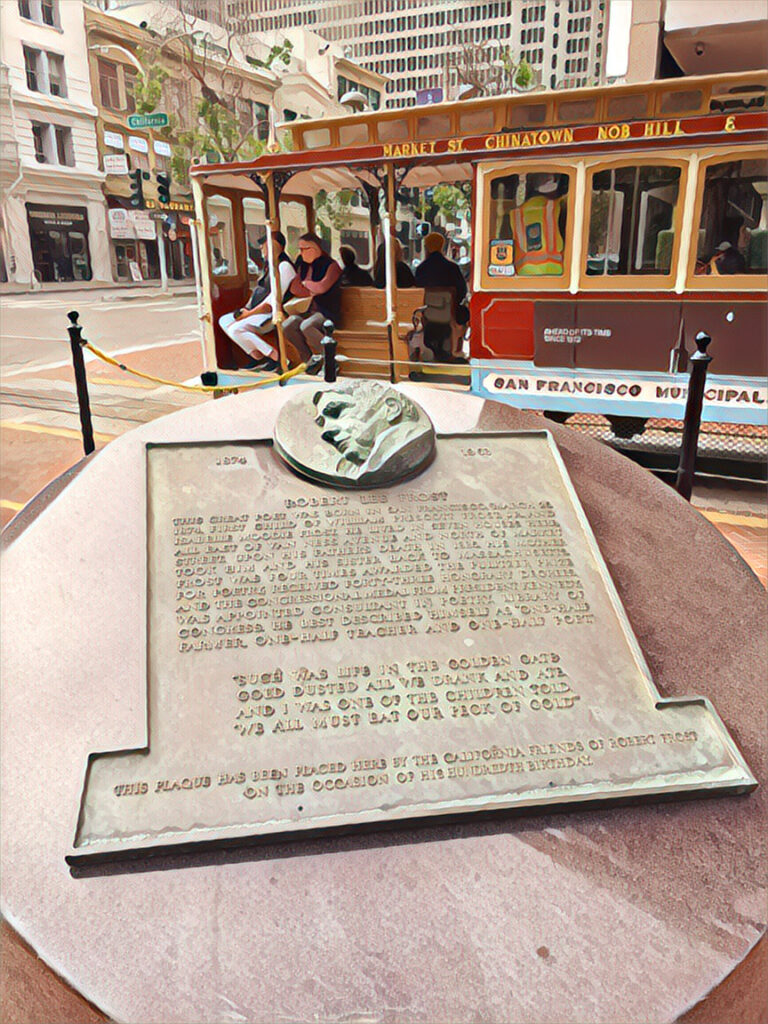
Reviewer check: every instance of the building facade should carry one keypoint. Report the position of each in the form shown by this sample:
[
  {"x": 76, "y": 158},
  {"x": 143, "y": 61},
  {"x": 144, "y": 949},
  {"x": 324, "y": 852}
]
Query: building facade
[
  {"x": 417, "y": 44},
  {"x": 53, "y": 214},
  {"x": 234, "y": 68},
  {"x": 141, "y": 238}
]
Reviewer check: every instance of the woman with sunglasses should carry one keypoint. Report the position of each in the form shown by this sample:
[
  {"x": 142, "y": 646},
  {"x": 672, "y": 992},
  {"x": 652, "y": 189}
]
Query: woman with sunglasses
[{"x": 317, "y": 277}]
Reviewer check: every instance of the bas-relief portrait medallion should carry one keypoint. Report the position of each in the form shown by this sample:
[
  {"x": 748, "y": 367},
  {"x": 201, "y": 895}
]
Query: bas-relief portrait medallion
[{"x": 357, "y": 433}]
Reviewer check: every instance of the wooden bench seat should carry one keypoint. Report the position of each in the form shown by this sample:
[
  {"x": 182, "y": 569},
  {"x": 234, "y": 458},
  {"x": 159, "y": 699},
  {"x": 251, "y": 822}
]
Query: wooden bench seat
[{"x": 364, "y": 335}]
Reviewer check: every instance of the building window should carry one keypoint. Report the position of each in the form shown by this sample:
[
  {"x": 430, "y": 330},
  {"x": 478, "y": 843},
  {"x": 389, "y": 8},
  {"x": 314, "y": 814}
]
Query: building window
[
  {"x": 261, "y": 120},
  {"x": 109, "y": 87},
  {"x": 44, "y": 72},
  {"x": 33, "y": 68},
  {"x": 53, "y": 144},
  {"x": 39, "y": 132},
  {"x": 129, "y": 77},
  {"x": 56, "y": 83},
  {"x": 44, "y": 12},
  {"x": 64, "y": 150}
]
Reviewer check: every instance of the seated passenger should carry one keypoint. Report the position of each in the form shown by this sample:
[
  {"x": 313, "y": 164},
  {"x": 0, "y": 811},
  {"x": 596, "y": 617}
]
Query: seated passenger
[
  {"x": 317, "y": 277},
  {"x": 220, "y": 262},
  {"x": 403, "y": 275},
  {"x": 248, "y": 327},
  {"x": 729, "y": 257},
  {"x": 437, "y": 271},
  {"x": 434, "y": 274},
  {"x": 353, "y": 276}
]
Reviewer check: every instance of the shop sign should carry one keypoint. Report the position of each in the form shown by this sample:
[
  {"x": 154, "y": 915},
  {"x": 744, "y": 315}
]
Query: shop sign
[
  {"x": 148, "y": 121},
  {"x": 161, "y": 148},
  {"x": 137, "y": 143},
  {"x": 135, "y": 271},
  {"x": 178, "y": 206},
  {"x": 61, "y": 218},
  {"x": 115, "y": 163},
  {"x": 145, "y": 228},
  {"x": 120, "y": 225},
  {"x": 114, "y": 140}
]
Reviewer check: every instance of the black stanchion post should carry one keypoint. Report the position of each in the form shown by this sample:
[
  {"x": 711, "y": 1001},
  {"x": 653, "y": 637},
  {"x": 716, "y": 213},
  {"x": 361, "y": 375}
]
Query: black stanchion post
[
  {"x": 329, "y": 352},
  {"x": 687, "y": 466},
  {"x": 81, "y": 381}
]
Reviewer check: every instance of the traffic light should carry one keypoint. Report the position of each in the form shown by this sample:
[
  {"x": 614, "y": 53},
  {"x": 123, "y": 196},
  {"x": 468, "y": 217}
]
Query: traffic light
[
  {"x": 421, "y": 228},
  {"x": 138, "y": 177},
  {"x": 164, "y": 189}
]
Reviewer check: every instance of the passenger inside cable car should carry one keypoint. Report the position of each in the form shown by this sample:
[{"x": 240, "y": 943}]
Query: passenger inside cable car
[
  {"x": 252, "y": 327},
  {"x": 318, "y": 279},
  {"x": 733, "y": 237}
]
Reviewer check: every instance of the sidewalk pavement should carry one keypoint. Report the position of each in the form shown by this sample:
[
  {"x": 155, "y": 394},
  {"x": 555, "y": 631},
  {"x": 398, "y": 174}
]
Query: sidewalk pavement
[{"x": 111, "y": 290}]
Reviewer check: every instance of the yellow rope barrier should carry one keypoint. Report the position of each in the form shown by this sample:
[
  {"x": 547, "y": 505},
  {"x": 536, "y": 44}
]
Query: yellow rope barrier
[{"x": 192, "y": 387}]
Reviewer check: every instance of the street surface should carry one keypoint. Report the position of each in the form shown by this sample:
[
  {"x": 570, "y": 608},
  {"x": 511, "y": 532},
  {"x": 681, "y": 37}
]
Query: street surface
[
  {"x": 39, "y": 422},
  {"x": 159, "y": 334}
]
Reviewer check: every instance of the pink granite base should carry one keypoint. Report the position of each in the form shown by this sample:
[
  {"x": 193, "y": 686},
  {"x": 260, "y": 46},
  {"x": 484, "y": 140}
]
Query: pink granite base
[{"x": 629, "y": 914}]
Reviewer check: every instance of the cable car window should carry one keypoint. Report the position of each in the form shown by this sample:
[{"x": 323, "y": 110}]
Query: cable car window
[
  {"x": 681, "y": 101},
  {"x": 255, "y": 220},
  {"x": 350, "y": 134},
  {"x": 527, "y": 228},
  {"x": 433, "y": 126},
  {"x": 316, "y": 138},
  {"x": 631, "y": 221},
  {"x": 519, "y": 116},
  {"x": 577, "y": 110},
  {"x": 733, "y": 230},
  {"x": 477, "y": 121},
  {"x": 624, "y": 108},
  {"x": 393, "y": 131},
  {"x": 219, "y": 211}
]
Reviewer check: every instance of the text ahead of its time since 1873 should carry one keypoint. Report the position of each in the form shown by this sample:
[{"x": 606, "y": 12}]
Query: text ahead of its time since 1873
[{"x": 321, "y": 659}]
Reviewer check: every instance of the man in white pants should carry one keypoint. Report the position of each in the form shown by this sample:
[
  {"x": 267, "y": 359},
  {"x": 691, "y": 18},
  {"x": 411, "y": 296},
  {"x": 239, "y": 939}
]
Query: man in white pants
[{"x": 249, "y": 327}]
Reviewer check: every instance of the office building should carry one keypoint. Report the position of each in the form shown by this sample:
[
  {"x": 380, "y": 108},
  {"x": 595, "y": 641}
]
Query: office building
[{"x": 418, "y": 44}]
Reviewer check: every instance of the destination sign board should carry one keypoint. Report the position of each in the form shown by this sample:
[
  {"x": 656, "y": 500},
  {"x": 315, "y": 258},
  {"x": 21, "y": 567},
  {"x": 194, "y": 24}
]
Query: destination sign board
[
  {"x": 158, "y": 120},
  {"x": 668, "y": 130},
  {"x": 320, "y": 658}
]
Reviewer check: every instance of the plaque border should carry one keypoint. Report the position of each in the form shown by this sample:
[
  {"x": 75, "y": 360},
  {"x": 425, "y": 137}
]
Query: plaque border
[{"x": 231, "y": 836}]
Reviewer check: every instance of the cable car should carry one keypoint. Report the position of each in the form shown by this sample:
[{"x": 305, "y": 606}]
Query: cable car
[{"x": 608, "y": 226}]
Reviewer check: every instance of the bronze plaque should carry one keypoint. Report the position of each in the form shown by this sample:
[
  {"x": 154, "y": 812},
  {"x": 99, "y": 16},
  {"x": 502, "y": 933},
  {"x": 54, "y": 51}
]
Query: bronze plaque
[{"x": 321, "y": 658}]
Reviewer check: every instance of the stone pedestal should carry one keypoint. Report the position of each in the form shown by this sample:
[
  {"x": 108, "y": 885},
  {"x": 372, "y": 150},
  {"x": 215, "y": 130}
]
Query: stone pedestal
[{"x": 626, "y": 914}]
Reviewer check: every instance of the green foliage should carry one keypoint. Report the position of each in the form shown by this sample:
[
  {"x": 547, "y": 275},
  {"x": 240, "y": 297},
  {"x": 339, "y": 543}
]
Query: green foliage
[
  {"x": 148, "y": 87},
  {"x": 451, "y": 201},
  {"x": 333, "y": 208},
  {"x": 215, "y": 133},
  {"x": 524, "y": 76},
  {"x": 280, "y": 53}
]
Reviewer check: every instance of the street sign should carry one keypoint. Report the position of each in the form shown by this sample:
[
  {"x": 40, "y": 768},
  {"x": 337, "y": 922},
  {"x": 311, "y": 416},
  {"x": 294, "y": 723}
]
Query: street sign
[
  {"x": 423, "y": 96},
  {"x": 148, "y": 121}
]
